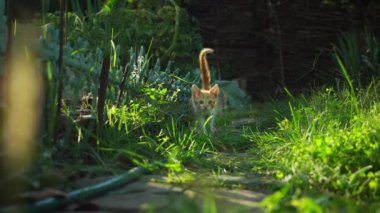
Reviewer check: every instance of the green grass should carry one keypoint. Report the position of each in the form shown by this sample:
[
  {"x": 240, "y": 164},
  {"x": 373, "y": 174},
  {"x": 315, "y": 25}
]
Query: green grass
[
  {"x": 324, "y": 150},
  {"x": 324, "y": 147}
]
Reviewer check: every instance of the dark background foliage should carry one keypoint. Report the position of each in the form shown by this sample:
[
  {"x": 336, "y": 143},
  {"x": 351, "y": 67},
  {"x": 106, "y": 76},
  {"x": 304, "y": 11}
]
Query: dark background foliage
[
  {"x": 117, "y": 88},
  {"x": 274, "y": 43},
  {"x": 268, "y": 43}
]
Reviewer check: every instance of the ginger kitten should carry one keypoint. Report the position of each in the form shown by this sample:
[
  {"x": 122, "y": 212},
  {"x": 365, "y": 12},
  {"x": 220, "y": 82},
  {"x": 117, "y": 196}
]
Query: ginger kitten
[{"x": 205, "y": 100}]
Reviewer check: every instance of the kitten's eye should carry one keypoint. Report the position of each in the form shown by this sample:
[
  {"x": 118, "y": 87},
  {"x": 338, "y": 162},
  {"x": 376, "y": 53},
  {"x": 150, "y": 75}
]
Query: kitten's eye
[
  {"x": 210, "y": 102},
  {"x": 201, "y": 102}
]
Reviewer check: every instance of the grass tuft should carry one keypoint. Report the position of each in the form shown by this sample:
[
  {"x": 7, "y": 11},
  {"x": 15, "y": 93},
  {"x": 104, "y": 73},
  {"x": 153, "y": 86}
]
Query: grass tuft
[{"x": 326, "y": 147}]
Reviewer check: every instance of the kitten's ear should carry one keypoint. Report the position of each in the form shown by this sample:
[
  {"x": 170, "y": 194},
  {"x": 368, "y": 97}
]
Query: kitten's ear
[
  {"x": 195, "y": 91},
  {"x": 214, "y": 91}
]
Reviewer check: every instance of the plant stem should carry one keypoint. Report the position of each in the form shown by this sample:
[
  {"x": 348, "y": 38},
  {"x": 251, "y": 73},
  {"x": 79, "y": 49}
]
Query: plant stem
[
  {"x": 103, "y": 81},
  {"x": 84, "y": 193},
  {"x": 62, "y": 35}
]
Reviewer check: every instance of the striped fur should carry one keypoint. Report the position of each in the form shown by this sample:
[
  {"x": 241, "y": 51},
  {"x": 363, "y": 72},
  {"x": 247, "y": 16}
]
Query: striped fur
[
  {"x": 205, "y": 71},
  {"x": 205, "y": 100}
]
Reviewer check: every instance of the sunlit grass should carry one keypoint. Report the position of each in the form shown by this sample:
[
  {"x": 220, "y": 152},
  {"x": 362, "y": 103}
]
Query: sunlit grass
[{"x": 325, "y": 147}]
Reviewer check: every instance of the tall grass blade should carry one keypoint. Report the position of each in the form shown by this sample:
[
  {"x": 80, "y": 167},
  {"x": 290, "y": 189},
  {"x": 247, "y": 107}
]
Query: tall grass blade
[{"x": 354, "y": 102}]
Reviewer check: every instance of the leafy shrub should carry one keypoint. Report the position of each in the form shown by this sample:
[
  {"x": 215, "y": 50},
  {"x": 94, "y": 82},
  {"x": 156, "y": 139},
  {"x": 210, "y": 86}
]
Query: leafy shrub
[
  {"x": 141, "y": 96},
  {"x": 161, "y": 25},
  {"x": 82, "y": 70}
]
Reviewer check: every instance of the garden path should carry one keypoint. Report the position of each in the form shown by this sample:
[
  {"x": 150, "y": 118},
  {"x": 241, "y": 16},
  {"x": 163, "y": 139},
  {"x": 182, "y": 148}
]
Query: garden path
[
  {"x": 239, "y": 191},
  {"x": 152, "y": 192}
]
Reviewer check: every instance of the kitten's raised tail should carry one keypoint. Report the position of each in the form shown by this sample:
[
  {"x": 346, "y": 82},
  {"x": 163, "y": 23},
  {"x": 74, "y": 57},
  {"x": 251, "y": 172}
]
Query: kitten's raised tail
[{"x": 205, "y": 72}]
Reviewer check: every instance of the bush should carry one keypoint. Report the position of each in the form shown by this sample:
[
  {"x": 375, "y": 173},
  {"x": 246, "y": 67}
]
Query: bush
[{"x": 163, "y": 26}]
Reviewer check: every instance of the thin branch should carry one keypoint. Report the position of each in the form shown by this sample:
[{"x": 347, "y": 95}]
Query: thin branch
[
  {"x": 62, "y": 39},
  {"x": 121, "y": 86},
  {"x": 279, "y": 39},
  {"x": 102, "y": 90},
  {"x": 176, "y": 30},
  {"x": 85, "y": 193}
]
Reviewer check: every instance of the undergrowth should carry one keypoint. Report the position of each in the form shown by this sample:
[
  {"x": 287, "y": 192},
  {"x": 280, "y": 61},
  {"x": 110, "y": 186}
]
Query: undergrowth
[
  {"x": 145, "y": 118},
  {"x": 325, "y": 152},
  {"x": 323, "y": 147}
]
